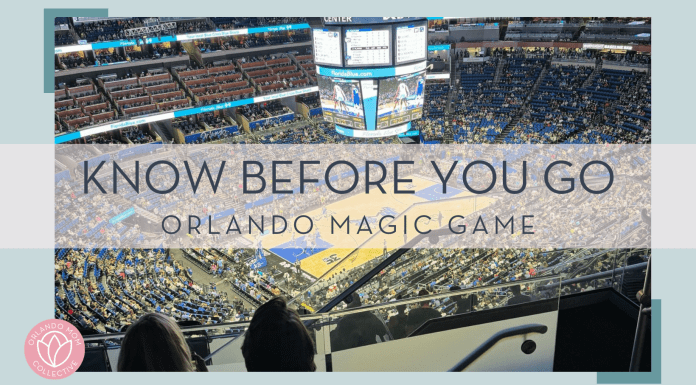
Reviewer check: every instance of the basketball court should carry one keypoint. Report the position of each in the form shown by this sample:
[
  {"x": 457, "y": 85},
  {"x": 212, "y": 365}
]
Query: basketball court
[{"x": 318, "y": 255}]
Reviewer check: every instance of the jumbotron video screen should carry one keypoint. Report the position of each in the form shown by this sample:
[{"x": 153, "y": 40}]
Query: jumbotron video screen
[
  {"x": 341, "y": 101},
  {"x": 400, "y": 99}
]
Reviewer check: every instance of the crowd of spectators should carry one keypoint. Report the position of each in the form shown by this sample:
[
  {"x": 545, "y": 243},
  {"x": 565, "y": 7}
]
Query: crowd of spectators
[
  {"x": 107, "y": 56},
  {"x": 192, "y": 26},
  {"x": 114, "y": 29},
  {"x": 310, "y": 100},
  {"x": 72, "y": 60},
  {"x": 276, "y": 72},
  {"x": 264, "y": 111},
  {"x": 613, "y": 108},
  {"x": 543, "y": 29},
  {"x": 80, "y": 105},
  {"x": 105, "y": 30},
  {"x": 305, "y": 134},
  {"x": 138, "y": 135},
  {"x": 617, "y": 30},
  {"x": 107, "y": 290},
  {"x": 224, "y": 23},
  {"x": 573, "y": 103},
  {"x": 215, "y": 83},
  {"x": 63, "y": 38}
]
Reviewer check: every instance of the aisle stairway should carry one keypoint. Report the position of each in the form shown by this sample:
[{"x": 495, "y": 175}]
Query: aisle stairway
[
  {"x": 200, "y": 276},
  {"x": 454, "y": 86},
  {"x": 518, "y": 114},
  {"x": 593, "y": 75},
  {"x": 503, "y": 30},
  {"x": 579, "y": 32},
  {"x": 499, "y": 70},
  {"x": 162, "y": 131}
]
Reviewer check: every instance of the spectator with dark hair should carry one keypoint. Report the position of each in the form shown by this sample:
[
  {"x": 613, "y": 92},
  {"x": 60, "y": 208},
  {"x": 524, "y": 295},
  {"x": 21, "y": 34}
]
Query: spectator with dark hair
[
  {"x": 358, "y": 329},
  {"x": 397, "y": 323},
  {"x": 154, "y": 343},
  {"x": 421, "y": 315},
  {"x": 518, "y": 297},
  {"x": 463, "y": 304},
  {"x": 277, "y": 340}
]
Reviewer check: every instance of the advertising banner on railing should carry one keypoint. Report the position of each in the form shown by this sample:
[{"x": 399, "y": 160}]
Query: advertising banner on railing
[
  {"x": 271, "y": 121},
  {"x": 211, "y": 135}
]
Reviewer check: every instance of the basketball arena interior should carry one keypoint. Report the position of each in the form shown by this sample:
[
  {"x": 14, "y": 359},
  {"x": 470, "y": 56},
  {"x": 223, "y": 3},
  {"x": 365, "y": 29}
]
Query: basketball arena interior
[{"x": 173, "y": 87}]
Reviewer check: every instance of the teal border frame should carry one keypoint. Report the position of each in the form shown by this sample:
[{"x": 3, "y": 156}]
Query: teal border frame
[
  {"x": 49, "y": 41},
  {"x": 654, "y": 377}
]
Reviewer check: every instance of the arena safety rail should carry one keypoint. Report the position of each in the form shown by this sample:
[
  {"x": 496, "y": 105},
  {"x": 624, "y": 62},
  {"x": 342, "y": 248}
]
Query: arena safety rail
[
  {"x": 325, "y": 318},
  {"x": 321, "y": 322},
  {"x": 512, "y": 332},
  {"x": 615, "y": 274}
]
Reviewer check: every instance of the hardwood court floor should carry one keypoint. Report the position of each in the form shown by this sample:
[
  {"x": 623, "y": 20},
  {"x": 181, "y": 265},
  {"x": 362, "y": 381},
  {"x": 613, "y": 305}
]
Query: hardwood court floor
[{"x": 373, "y": 206}]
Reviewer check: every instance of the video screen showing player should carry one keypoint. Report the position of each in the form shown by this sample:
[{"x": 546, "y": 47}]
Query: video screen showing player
[
  {"x": 400, "y": 99},
  {"x": 341, "y": 101}
]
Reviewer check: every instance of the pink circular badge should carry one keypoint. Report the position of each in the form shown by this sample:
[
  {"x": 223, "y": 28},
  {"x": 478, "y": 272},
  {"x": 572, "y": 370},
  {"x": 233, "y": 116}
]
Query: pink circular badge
[{"x": 54, "y": 349}]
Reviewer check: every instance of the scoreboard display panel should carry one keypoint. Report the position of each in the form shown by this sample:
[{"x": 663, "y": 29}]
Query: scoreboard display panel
[
  {"x": 371, "y": 73},
  {"x": 411, "y": 42},
  {"x": 341, "y": 101},
  {"x": 400, "y": 99},
  {"x": 368, "y": 46},
  {"x": 327, "y": 46}
]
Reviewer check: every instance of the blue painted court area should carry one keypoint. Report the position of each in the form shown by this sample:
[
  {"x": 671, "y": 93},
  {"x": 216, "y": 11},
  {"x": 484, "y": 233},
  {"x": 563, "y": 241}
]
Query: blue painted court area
[
  {"x": 388, "y": 211},
  {"x": 434, "y": 192},
  {"x": 370, "y": 221},
  {"x": 297, "y": 250}
]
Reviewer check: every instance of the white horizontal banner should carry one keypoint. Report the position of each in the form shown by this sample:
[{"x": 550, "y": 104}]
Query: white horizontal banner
[
  {"x": 349, "y": 196},
  {"x": 437, "y": 76}
]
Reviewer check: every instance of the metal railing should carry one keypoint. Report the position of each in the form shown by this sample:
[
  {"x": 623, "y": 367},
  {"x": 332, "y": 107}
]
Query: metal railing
[
  {"x": 310, "y": 318},
  {"x": 511, "y": 332}
]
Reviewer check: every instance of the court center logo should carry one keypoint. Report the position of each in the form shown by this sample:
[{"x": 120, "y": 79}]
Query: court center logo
[{"x": 54, "y": 349}]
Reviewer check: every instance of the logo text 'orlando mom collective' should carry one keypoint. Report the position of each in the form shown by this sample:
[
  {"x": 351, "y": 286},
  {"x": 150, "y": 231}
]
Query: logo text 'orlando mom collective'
[{"x": 54, "y": 349}]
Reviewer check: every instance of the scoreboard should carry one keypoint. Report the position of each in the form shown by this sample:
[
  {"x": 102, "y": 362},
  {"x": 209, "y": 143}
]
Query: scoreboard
[
  {"x": 368, "y": 46},
  {"x": 411, "y": 42},
  {"x": 327, "y": 46},
  {"x": 371, "y": 73}
]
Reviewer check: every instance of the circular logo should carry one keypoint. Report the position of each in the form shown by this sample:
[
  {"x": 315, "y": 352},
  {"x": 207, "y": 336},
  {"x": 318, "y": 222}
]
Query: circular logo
[{"x": 54, "y": 349}]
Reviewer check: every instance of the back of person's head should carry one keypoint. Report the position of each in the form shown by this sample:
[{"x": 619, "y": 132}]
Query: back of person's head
[
  {"x": 355, "y": 301},
  {"x": 423, "y": 293},
  {"x": 400, "y": 308},
  {"x": 515, "y": 290},
  {"x": 154, "y": 343},
  {"x": 277, "y": 340},
  {"x": 455, "y": 288},
  {"x": 634, "y": 260}
]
